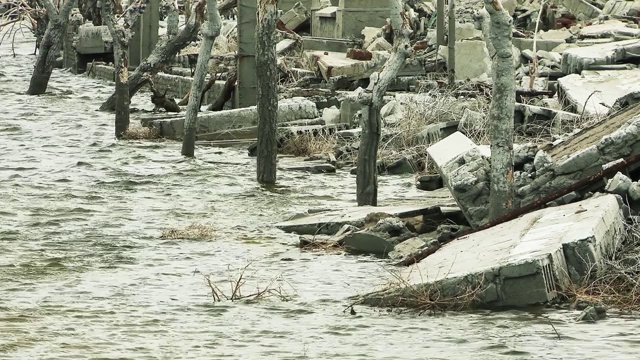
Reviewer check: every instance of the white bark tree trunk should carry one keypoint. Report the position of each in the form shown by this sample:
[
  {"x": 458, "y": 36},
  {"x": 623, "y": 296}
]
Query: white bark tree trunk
[
  {"x": 49, "y": 46},
  {"x": 367, "y": 175},
  {"x": 210, "y": 32},
  {"x": 501, "y": 112},
  {"x": 267, "y": 96}
]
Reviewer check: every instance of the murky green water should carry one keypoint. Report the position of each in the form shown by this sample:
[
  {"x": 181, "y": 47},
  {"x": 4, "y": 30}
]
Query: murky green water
[{"x": 84, "y": 273}]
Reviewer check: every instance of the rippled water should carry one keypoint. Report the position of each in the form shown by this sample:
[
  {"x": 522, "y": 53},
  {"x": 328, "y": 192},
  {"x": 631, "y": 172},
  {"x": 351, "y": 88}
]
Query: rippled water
[{"x": 84, "y": 273}]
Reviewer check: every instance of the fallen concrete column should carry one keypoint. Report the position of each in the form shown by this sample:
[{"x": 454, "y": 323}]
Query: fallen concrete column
[
  {"x": 522, "y": 262},
  {"x": 575, "y": 60},
  {"x": 288, "y": 110},
  {"x": 463, "y": 167},
  {"x": 577, "y": 7}
]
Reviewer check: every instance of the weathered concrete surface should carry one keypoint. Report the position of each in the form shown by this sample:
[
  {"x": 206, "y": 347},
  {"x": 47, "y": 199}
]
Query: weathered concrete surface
[
  {"x": 174, "y": 85},
  {"x": 608, "y": 29},
  {"x": 463, "y": 166},
  {"x": 575, "y": 60},
  {"x": 331, "y": 221},
  {"x": 594, "y": 92},
  {"x": 480, "y": 67},
  {"x": 518, "y": 263},
  {"x": 288, "y": 110},
  {"x": 334, "y": 64},
  {"x": 295, "y": 17},
  {"x": 582, "y": 7},
  {"x": 354, "y": 15}
]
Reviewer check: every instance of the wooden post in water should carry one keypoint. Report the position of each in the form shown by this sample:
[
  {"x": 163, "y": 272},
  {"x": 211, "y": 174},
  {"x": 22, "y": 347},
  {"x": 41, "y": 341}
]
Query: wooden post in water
[
  {"x": 245, "y": 94},
  {"x": 267, "y": 97}
]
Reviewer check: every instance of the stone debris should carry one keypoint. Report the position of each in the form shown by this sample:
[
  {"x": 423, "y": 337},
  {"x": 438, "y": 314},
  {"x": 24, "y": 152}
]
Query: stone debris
[{"x": 522, "y": 262}]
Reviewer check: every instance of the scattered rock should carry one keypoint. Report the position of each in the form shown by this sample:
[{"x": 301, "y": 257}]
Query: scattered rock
[
  {"x": 429, "y": 182},
  {"x": 542, "y": 162},
  {"x": 619, "y": 184}
]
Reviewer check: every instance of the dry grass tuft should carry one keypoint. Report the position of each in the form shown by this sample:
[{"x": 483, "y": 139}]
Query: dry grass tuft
[
  {"x": 401, "y": 293},
  {"x": 616, "y": 284},
  {"x": 308, "y": 144},
  {"x": 137, "y": 132},
  {"x": 193, "y": 232},
  {"x": 274, "y": 289}
]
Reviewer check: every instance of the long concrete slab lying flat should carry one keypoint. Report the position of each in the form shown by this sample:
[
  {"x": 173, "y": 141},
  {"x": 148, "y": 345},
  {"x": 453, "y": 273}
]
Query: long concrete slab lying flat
[
  {"x": 518, "y": 263},
  {"x": 575, "y": 60},
  {"x": 171, "y": 126},
  {"x": 330, "y": 222},
  {"x": 595, "y": 92}
]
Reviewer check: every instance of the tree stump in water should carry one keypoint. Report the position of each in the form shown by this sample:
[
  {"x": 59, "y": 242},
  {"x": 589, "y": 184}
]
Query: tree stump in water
[{"x": 161, "y": 101}]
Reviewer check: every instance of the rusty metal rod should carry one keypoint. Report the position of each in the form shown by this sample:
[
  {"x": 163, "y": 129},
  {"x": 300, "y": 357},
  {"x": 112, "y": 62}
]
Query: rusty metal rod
[{"x": 621, "y": 164}]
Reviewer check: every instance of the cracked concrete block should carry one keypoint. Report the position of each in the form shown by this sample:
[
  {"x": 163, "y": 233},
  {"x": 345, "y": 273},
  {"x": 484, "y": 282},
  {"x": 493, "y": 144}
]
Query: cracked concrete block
[{"x": 579, "y": 161}]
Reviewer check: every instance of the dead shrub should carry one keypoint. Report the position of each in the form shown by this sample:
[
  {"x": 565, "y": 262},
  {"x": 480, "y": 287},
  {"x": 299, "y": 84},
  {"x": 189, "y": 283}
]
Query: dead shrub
[
  {"x": 309, "y": 144},
  {"x": 193, "y": 232},
  {"x": 274, "y": 289},
  {"x": 138, "y": 132},
  {"x": 616, "y": 284}
]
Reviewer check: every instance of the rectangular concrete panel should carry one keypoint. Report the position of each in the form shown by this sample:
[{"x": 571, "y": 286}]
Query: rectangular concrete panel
[
  {"x": 354, "y": 15},
  {"x": 145, "y": 37},
  {"x": 595, "y": 92},
  {"x": 247, "y": 85},
  {"x": 524, "y": 261}
]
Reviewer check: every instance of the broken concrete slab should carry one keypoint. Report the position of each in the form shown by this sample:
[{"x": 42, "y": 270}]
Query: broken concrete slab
[
  {"x": 410, "y": 248},
  {"x": 333, "y": 64},
  {"x": 522, "y": 262},
  {"x": 582, "y": 8},
  {"x": 622, "y": 8},
  {"x": 171, "y": 127},
  {"x": 295, "y": 17},
  {"x": 479, "y": 68},
  {"x": 527, "y": 44},
  {"x": 609, "y": 29},
  {"x": 331, "y": 221},
  {"x": 577, "y": 59},
  {"x": 463, "y": 166},
  {"x": 595, "y": 92}
]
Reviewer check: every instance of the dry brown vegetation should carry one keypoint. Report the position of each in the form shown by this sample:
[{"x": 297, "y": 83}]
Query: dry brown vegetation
[
  {"x": 616, "y": 284},
  {"x": 193, "y": 232},
  {"x": 307, "y": 145},
  {"x": 138, "y": 132},
  {"x": 274, "y": 289},
  {"x": 400, "y": 292}
]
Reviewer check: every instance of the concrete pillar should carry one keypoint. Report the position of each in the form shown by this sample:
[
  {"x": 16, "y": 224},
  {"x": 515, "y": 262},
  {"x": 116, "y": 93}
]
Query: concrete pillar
[
  {"x": 146, "y": 34},
  {"x": 246, "y": 88}
]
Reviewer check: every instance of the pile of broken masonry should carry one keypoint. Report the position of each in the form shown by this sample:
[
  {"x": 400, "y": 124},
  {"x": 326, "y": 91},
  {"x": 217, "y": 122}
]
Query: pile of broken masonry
[{"x": 584, "y": 71}]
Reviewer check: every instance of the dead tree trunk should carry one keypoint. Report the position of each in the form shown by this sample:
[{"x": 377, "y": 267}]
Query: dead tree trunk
[
  {"x": 210, "y": 31},
  {"x": 162, "y": 55},
  {"x": 49, "y": 46},
  {"x": 367, "y": 176},
  {"x": 267, "y": 97},
  {"x": 225, "y": 94},
  {"x": 501, "y": 112},
  {"x": 121, "y": 37}
]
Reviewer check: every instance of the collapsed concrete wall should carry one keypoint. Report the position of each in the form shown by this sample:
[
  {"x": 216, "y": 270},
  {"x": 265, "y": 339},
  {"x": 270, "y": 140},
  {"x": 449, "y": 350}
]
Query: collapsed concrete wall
[{"x": 464, "y": 166}]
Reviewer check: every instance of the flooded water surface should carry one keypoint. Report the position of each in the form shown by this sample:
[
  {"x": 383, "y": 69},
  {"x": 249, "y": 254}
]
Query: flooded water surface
[{"x": 85, "y": 274}]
